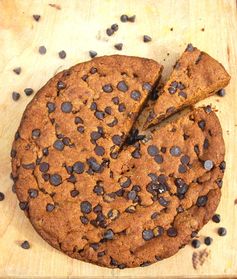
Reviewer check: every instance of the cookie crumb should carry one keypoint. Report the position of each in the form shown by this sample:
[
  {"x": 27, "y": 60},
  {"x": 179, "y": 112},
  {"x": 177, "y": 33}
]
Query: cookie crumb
[
  {"x": 171, "y": 29},
  {"x": 25, "y": 245},
  {"x": 56, "y": 6},
  {"x": 62, "y": 54},
  {"x": 17, "y": 70},
  {"x": 2, "y": 196},
  {"x": 15, "y": 96},
  {"x": 42, "y": 50},
  {"x": 119, "y": 46},
  {"x": 36, "y": 17},
  {"x": 198, "y": 258},
  {"x": 147, "y": 39},
  {"x": 92, "y": 53},
  {"x": 203, "y": 29}
]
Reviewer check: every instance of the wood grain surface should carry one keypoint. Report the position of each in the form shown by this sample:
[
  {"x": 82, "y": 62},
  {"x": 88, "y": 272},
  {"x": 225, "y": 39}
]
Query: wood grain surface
[{"x": 78, "y": 26}]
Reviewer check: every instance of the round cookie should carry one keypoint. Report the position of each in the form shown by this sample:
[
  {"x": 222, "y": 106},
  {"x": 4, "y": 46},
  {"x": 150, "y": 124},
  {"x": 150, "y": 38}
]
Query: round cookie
[{"x": 98, "y": 200}]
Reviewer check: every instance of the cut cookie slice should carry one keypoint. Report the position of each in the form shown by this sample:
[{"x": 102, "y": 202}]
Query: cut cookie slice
[{"x": 195, "y": 76}]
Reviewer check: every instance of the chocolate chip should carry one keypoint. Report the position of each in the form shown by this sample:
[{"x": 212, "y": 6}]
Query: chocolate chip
[
  {"x": 113, "y": 214},
  {"x": 98, "y": 189},
  {"x": 152, "y": 150},
  {"x": 42, "y": 50},
  {"x": 118, "y": 46},
  {"x": 147, "y": 234},
  {"x": 136, "y": 188},
  {"x": 175, "y": 151},
  {"x": 121, "y": 107},
  {"x": 158, "y": 231},
  {"x": 122, "y": 86},
  {"x": 108, "y": 235},
  {"x": 72, "y": 179},
  {"x": 216, "y": 218},
  {"x": 100, "y": 115},
  {"x": 17, "y": 70},
  {"x": 208, "y": 109},
  {"x": 221, "y": 92},
  {"x": 125, "y": 182},
  {"x": 181, "y": 86},
  {"x": 95, "y": 135},
  {"x": 23, "y": 205},
  {"x": 84, "y": 220},
  {"x": 108, "y": 110},
  {"x": 78, "y": 167},
  {"x": 196, "y": 243},
  {"x": 182, "y": 169},
  {"x": 163, "y": 202},
  {"x": 2, "y": 196},
  {"x": 94, "y": 246},
  {"x": 99, "y": 150},
  {"x": 114, "y": 27},
  {"x": 80, "y": 129},
  {"x": 61, "y": 85},
  {"x": 136, "y": 154},
  {"x": 202, "y": 124},
  {"x": 58, "y": 144},
  {"x": 28, "y": 91},
  {"x": 86, "y": 207},
  {"x": 109, "y": 31},
  {"x": 51, "y": 107},
  {"x": 132, "y": 195},
  {"x": 13, "y": 153},
  {"x": 45, "y": 176},
  {"x": 154, "y": 215},
  {"x": 159, "y": 159},
  {"x": 115, "y": 100},
  {"x": 172, "y": 90},
  {"x": 146, "y": 38},
  {"x": 55, "y": 179},
  {"x": 107, "y": 88},
  {"x": 29, "y": 166},
  {"x": 16, "y": 96},
  {"x": 44, "y": 167},
  {"x": 206, "y": 144},
  {"x": 182, "y": 94},
  {"x": 93, "y": 70},
  {"x": 190, "y": 48},
  {"x": 222, "y": 166},
  {"x": 25, "y": 245},
  {"x": 135, "y": 95},
  {"x": 66, "y": 107},
  {"x": 208, "y": 240},
  {"x": 62, "y": 54},
  {"x": 36, "y": 133},
  {"x": 93, "y": 164},
  {"x": 36, "y": 17},
  {"x": 185, "y": 159},
  {"x": 117, "y": 140},
  {"x": 92, "y": 54},
  {"x": 132, "y": 18},
  {"x": 101, "y": 254},
  {"x": 201, "y": 201},
  {"x": 208, "y": 165},
  {"x": 219, "y": 182},
  {"x": 147, "y": 86},
  {"x": 124, "y": 18},
  {"x": 222, "y": 231},
  {"x": 172, "y": 232},
  {"x": 170, "y": 110},
  {"x": 121, "y": 266},
  {"x": 74, "y": 193},
  {"x": 50, "y": 207}
]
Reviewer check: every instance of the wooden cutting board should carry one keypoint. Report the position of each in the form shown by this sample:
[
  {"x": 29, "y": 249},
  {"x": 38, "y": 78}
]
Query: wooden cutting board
[{"x": 77, "y": 27}]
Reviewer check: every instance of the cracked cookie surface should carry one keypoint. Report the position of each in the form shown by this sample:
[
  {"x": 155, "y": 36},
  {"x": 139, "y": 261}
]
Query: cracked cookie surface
[{"x": 98, "y": 200}]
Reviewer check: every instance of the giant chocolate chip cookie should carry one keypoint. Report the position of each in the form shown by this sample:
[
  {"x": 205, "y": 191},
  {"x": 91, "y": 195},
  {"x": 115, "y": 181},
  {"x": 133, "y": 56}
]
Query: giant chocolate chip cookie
[{"x": 93, "y": 197}]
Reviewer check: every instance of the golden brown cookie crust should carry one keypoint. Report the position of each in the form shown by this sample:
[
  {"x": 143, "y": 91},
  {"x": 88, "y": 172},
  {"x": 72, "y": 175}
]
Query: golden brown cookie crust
[{"x": 124, "y": 210}]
